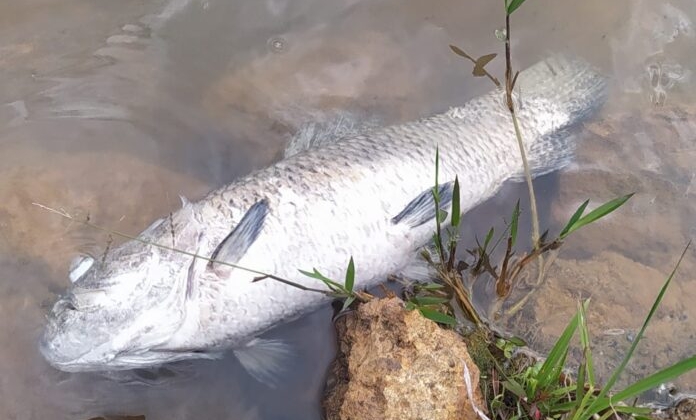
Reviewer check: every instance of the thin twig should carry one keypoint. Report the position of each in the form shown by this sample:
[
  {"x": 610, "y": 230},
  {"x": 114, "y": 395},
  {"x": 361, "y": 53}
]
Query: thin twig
[
  {"x": 509, "y": 86},
  {"x": 261, "y": 274}
]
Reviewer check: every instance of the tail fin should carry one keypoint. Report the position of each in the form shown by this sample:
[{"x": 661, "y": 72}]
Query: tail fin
[{"x": 555, "y": 95}]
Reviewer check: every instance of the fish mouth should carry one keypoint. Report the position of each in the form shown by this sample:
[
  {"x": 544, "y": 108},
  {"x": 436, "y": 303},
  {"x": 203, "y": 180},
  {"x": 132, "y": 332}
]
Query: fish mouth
[
  {"x": 70, "y": 349},
  {"x": 73, "y": 350},
  {"x": 50, "y": 349}
]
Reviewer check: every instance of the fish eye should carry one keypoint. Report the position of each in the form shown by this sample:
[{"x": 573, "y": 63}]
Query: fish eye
[{"x": 79, "y": 266}]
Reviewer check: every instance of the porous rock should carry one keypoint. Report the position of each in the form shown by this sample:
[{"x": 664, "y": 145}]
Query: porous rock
[{"x": 395, "y": 364}]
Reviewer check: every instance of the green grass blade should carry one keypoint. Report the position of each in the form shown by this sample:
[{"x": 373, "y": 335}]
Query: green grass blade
[
  {"x": 437, "y": 316},
  {"x": 585, "y": 343},
  {"x": 580, "y": 387},
  {"x": 315, "y": 274},
  {"x": 594, "y": 408},
  {"x": 583, "y": 402},
  {"x": 332, "y": 285},
  {"x": 346, "y": 303},
  {"x": 656, "y": 379},
  {"x": 513, "y": 5},
  {"x": 456, "y": 212},
  {"x": 554, "y": 362},
  {"x": 350, "y": 275},
  {"x": 517, "y": 341},
  {"x": 598, "y": 213},
  {"x": 489, "y": 237},
  {"x": 574, "y": 218},
  {"x": 562, "y": 391},
  {"x": 515, "y": 387},
  {"x": 514, "y": 221},
  {"x": 429, "y": 300}
]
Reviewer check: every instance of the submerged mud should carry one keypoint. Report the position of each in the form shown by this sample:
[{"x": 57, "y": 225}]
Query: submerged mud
[
  {"x": 113, "y": 109},
  {"x": 622, "y": 262}
]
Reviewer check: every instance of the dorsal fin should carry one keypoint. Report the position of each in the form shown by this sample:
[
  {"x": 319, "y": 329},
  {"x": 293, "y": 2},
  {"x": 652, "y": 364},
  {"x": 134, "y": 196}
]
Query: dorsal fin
[{"x": 236, "y": 244}]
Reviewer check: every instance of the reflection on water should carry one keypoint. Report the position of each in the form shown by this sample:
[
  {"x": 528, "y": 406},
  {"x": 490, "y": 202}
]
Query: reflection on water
[{"x": 116, "y": 108}]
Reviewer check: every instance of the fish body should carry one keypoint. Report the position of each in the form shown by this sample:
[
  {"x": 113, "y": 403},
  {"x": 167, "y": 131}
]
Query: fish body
[{"x": 366, "y": 197}]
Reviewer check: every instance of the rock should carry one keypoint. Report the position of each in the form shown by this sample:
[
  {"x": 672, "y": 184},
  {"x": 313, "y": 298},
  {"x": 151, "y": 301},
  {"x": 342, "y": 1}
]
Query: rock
[
  {"x": 685, "y": 409},
  {"x": 395, "y": 364}
]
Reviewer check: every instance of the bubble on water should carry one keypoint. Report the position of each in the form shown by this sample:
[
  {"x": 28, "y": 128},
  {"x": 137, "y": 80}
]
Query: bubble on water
[
  {"x": 277, "y": 44},
  {"x": 501, "y": 34}
]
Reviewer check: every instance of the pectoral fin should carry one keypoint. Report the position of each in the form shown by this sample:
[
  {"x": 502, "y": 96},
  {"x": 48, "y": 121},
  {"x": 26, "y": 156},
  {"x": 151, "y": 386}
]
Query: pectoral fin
[
  {"x": 236, "y": 244},
  {"x": 422, "y": 208},
  {"x": 264, "y": 359}
]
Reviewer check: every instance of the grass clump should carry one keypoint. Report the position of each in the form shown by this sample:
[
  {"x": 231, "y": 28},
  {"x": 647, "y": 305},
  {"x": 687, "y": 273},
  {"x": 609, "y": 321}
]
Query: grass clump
[
  {"x": 519, "y": 386},
  {"x": 545, "y": 389}
]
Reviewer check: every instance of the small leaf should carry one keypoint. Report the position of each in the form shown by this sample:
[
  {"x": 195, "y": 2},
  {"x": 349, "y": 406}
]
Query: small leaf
[
  {"x": 513, "y": 5},
  {"x": 654, "y": 380},
  {"x": 479, "y": 69},
  {"x": 315, "y": 274},
  {"x": 552, "y": 366},
  {"x": 460, "y": 52},
  {"x": 598, "y": 213},
  {"x": 514, "y": 222},
  {"x": 456, "y": 212},
  {"x": 514, "y": 387},
  {"x": 489, "y": 237},
  {"x": 517, "y": 341},
  {"x": 348, "y": 302},
  {"x": 585, "y": 342},
  {"x": 442, "y": 216},
  {"x": 332, "y": 285},
  {"x": 410, "y": 306},
  {"x": 574, "y": 218},
  {"x": 350, "y": 275},
  {"x": 429, "y": 300},
  {"x": 437, "y": 316}
]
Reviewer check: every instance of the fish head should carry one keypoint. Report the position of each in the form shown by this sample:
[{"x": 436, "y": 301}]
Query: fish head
[{"x": 120, "y": 307}]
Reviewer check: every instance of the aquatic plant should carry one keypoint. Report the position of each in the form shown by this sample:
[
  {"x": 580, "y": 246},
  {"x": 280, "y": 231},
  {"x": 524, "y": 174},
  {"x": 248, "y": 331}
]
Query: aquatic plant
[
  {"x": 518, "y": 387},
  {"x": 545, "y": 390},
  {"x": 511, "y": 265}
]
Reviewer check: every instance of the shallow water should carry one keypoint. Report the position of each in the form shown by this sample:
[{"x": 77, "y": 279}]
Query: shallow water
[{"x": 116, "y": 108}]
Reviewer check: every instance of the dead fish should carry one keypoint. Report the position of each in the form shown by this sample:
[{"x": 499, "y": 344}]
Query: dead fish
[{"x": 367, "y": 196}]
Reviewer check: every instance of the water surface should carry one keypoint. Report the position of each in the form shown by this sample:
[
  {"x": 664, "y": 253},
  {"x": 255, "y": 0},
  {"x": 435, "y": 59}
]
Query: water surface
[{"x": 114, "y": 109}]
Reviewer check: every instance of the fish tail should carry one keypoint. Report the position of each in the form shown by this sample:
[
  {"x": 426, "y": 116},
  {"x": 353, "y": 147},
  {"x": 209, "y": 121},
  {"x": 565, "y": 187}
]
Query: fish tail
[{"x": 572, "y": 91}]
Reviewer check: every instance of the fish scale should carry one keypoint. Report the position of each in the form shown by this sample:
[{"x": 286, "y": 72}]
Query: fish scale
[{"x": 315, "y": 209}]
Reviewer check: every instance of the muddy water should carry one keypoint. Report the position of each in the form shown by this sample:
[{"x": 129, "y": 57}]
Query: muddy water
[{"x": 113, "y": 109}]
